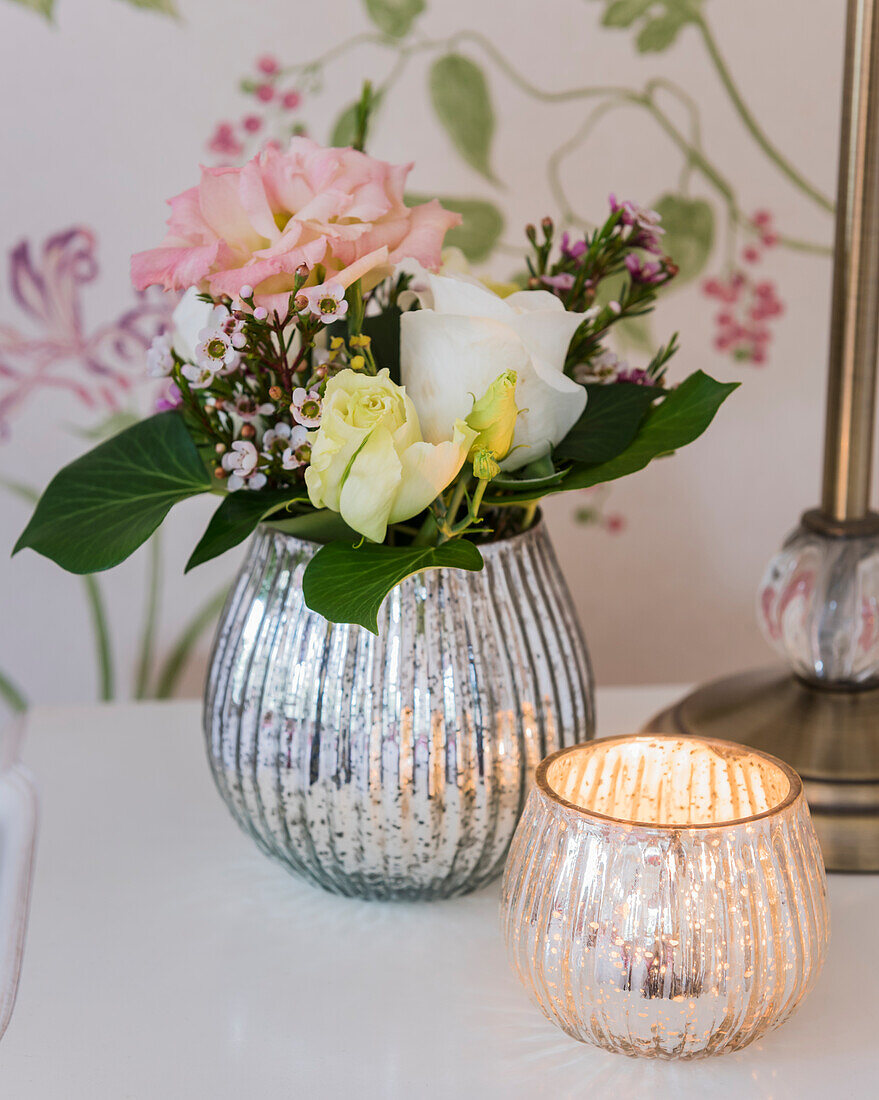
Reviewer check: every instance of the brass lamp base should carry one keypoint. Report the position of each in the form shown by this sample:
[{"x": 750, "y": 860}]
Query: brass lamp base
[{"x": 830, "y": 737}]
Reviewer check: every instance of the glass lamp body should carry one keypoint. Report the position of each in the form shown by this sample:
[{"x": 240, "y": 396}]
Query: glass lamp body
[
  {"x": 397, "y": 765},
  {"x": 819, "y": 607},
  {"x": 664, "y": 941}
]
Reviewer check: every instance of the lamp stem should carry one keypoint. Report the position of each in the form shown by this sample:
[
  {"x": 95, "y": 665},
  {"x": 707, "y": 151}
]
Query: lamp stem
[{"x": 854, "y": 325}]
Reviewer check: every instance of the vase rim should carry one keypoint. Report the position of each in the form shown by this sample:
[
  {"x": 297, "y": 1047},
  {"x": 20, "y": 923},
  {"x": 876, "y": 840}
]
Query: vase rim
[
  {"x": 794, "y": 792},
  {"x": 487, "y": 549}
]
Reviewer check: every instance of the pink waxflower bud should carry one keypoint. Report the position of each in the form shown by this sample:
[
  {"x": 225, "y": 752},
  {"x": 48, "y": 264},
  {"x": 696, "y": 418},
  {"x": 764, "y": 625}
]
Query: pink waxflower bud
[
  {"x": 245, "y": 291},
  {"x": 260, "y": 313}
]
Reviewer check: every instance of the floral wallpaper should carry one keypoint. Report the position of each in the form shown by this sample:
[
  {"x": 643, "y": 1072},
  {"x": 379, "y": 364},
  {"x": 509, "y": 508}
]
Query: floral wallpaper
[{"x": 655, "y": 117}]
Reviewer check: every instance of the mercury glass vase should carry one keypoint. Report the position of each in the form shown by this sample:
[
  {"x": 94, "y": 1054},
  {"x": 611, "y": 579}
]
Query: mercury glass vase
[
  {"x": 397, "y": 765},
  {"x": 665, "y": 896}
]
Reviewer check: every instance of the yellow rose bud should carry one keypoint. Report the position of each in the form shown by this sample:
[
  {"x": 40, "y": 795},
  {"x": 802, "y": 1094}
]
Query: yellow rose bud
[
  {"x": 494, "y": 417},
  {"x": 485, "y": 465}
]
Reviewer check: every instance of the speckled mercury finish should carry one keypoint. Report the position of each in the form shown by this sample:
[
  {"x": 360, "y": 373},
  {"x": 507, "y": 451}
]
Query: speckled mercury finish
[
  {"x": 394, "y": 766},
  {"x": 664, "y": 896}
]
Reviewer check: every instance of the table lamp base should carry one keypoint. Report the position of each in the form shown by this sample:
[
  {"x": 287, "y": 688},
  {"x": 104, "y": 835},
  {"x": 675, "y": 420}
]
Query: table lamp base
[{"x": 830, "y": 737}]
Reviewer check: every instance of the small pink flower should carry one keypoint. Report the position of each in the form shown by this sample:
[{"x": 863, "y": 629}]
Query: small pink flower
[
  {"x": 265, "y": 93},
  {"x": 170, "y": 398},
  {"x": 327, "y": 302},
  {"x": 160, "y": 361},
  {"x": 644, "y": 271},
  {"x": 305, "y": 407},
  {"x": 241, "y": 465},
  {"x": 224, "y": 142},
  {"x": 251, "y": 123},
  {"x": 248, "y": 410},
  {"x": 267, "y": 64},
  {"x": 291, "y": 99}
]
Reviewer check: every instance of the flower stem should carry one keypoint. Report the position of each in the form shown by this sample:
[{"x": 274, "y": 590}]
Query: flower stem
[
  {"x": 170, "y": 672},
  {"x": 750, "y": 123},
  {"x": 102, "y": 635},
  {"x": 148, "y": 636}
]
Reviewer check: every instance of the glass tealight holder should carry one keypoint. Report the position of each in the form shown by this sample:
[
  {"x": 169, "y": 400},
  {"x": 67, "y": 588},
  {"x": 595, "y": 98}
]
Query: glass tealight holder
[{"x": 665, "y": 896}]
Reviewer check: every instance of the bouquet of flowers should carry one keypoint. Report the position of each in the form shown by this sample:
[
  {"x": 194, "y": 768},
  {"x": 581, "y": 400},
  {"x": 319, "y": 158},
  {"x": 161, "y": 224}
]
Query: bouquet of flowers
[{"x": 333, "y": 372}]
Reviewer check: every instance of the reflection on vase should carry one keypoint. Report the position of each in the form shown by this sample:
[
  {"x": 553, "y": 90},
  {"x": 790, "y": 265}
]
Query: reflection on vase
[{"x": 394, "y": 766}]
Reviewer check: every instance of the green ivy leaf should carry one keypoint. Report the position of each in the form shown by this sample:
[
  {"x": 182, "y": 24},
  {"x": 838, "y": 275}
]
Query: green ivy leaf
[
  {"x": 623, "y": 13},
  {"x": 682, "y": 416},
  {"x": 104, "y": 505},
  {"x": 348, "y": 585},
  {"x": 609, "y": 422},
  {"x": 689, "y": 233},
  {"x": 461, "y": 100},
  {"x": 480, "y": 230},
  {"x": 42, "y": 7},
  {"x": 658, "y": 34},
  {"x": 238, "y": 515},
  {"x": 394, "y": 17}
]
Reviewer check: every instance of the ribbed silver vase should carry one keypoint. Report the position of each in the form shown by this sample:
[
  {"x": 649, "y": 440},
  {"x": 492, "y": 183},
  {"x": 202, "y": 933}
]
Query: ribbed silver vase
[{"x": 394, "y": 766}]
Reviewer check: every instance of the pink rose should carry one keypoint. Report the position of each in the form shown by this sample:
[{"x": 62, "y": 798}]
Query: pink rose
[{"x": 258, "y": 223}]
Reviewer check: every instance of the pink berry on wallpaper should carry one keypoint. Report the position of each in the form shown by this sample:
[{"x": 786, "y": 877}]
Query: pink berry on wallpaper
[
  {"x": 769, "y": 240},
  {"x": 291, "y": 100},
  {"x": 751, "y": 255},
  {"x": 758, "y": 356},
  {"x": 711, "y": 287},
  {"x": 614, "y": 523},
  {"x": 251, "y": 123},
  {"x": 265, "y": 93},
  {"x": 762, "y": 218},
  {"x": 267, "y": 64}
]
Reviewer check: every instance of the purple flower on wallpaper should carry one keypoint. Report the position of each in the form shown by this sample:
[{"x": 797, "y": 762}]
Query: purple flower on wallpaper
[{"x": 97, "y": 367}]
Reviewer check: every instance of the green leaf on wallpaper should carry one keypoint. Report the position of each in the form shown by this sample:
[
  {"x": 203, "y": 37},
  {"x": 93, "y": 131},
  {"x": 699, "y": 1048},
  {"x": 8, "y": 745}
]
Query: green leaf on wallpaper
[
  {"x": 104, "y": 505},
  {"x": 480, "y": 230},
  {"x": 658, "y": 34},
  {"x": 394, "y": 17},
  {"x": 623, "y": 13},
  {"x": 460, "y": 97},
  {"x": 166, "y": 7},
  {"x": 348, "y": 584},
  {"x": 345, "y": 127},
  {"x": 42, "y": 7},
  {"x": 689, "y": 233}
]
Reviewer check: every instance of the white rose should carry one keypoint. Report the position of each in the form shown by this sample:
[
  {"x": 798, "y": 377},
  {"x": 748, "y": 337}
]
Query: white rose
[
  {"x": 189, "y": 319},
  {"x": 368, "y": 459},
  {"x": 465, "y": 335}
]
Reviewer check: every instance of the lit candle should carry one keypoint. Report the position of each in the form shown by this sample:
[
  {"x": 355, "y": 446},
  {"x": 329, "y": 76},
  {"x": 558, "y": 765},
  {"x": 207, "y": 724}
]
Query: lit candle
[{"x": 665, "y": 896}]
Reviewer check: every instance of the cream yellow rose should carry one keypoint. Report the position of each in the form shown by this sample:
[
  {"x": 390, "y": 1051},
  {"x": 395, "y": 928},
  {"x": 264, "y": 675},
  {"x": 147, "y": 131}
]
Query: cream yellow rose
[{"x": 368, "y": 459}]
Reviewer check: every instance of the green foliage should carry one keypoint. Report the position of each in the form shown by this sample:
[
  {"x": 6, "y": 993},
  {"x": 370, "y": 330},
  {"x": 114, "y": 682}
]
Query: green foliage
[
  {"x": 104, "y": 505},
  {"x": 609, "y": 422},
  {"x": 461, "y": 100},
  {"x": 682, "y": 416},
  {"x": 394, "y": 17},
  {"x": 346, "y": 127},
  {"x": 660, "y": 20},
  {"x": 480, "y": 230},
  {"x": 238, "y": 515},
  {"x": 43, "y": 7},
  {"x": 347, "y": 584},
  {"x": 689, "y": 233}
]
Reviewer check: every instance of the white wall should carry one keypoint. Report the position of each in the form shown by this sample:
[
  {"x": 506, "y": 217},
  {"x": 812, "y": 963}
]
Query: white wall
[{"x": 106, "y": 114}]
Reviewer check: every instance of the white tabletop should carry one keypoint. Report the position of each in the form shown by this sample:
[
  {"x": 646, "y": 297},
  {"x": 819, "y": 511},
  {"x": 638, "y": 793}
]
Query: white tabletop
[{"x": 166, "y": 957}]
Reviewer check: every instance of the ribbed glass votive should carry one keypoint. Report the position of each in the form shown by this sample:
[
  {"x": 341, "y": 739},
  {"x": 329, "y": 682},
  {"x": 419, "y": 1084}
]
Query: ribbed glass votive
[{"x": 665, "y": 896}]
